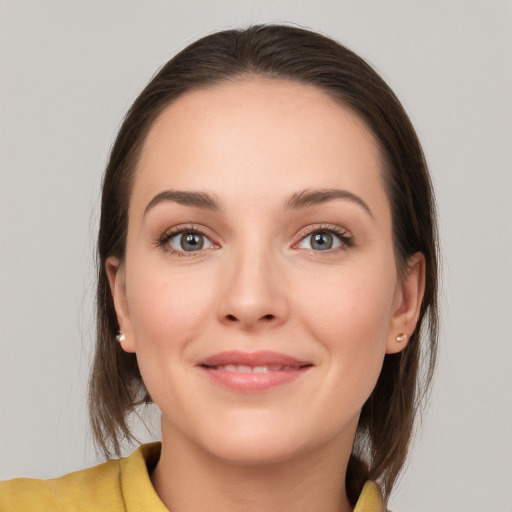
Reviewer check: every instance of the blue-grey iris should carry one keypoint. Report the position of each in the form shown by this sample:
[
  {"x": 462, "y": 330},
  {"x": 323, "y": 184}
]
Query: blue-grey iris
[
  {"x": 192, "y": 241},
  {"x": 321, "y": 241}
]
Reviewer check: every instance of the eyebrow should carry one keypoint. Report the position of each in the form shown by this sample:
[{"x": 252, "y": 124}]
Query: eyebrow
[
  {"x": 198, "y": 199},
  {"x": 303, "y": 199},
  {"x": 313, "y": 197}
]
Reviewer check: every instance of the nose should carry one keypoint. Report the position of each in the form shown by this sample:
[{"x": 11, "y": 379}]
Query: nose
[{"x": 253, "y": 292}]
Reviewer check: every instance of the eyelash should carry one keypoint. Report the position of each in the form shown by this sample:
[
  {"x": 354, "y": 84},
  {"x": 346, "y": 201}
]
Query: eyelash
[
  {"x": 163, "y": 241},
  {"x": 342, "y": 234}
]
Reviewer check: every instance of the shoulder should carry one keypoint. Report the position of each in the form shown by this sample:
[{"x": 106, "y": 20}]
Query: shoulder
[
  {"x": 370, "y": 499},
  {"x": 94, "y": 489},
  {"x": 64, "y": 493}
]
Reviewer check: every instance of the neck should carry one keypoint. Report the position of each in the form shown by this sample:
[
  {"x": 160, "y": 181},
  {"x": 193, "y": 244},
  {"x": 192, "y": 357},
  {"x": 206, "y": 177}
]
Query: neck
[{"x": 188, "y": 479}]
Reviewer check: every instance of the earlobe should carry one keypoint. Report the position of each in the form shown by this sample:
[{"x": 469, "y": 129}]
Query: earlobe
[
  {"x": 116, "y": 278},
  {"x": 408, "y": 305}
]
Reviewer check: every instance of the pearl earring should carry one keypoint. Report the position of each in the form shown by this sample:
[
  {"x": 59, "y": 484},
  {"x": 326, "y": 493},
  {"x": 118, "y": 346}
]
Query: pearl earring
[
  {"x": 120, "y": 337},
  {"x": 401, "y": 337}
]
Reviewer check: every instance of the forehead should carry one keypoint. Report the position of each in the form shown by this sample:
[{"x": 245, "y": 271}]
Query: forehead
[{"x": 258, "y": 134}]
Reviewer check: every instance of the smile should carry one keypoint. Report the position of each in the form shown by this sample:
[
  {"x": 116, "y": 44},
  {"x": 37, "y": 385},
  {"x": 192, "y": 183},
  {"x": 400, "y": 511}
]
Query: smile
[
  {"x": 253, "y": 372},
  {"x": 240, "y": 368}
]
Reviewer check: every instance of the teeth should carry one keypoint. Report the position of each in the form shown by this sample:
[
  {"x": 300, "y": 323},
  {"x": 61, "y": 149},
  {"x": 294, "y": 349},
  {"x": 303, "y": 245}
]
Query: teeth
[{"x": 241, "y": 368}]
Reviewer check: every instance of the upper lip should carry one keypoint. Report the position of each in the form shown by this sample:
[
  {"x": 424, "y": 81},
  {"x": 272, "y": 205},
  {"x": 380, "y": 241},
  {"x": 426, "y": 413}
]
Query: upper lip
[{"x": 262, "y": 358}]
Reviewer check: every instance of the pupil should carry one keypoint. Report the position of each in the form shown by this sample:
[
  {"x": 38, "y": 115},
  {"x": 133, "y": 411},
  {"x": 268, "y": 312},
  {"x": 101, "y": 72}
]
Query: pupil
[
  {"x": 192, "y": 242},
  {"x": 322, "y": 241}
]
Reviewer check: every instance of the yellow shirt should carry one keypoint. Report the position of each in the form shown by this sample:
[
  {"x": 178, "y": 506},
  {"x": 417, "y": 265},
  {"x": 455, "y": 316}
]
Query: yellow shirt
[{"x": 115, "y": 486}]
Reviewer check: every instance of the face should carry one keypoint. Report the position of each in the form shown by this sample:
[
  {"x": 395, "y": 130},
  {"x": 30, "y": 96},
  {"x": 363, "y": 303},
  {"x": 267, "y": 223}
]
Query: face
[{"x": 259, "y": 288}]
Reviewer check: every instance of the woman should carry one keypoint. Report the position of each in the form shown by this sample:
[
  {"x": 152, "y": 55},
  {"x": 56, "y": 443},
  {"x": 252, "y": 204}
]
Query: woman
[{"x": 267, "y": 261}]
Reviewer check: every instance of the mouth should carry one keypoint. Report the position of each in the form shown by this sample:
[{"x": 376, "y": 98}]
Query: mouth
[
  {"x": 241, "y": 368},
  {"x": 253, "y": 371}
]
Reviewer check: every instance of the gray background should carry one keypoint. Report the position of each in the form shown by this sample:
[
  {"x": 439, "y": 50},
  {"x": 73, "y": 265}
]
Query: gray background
[{"x": 68, "y": 72}]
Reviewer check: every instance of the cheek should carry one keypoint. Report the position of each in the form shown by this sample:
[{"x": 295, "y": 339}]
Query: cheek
[
  {"x": 349, "y": 315},
  {"x": 166, "y": 307},
  {"x": 168, "y": 312},
  {"x": 349, "y": 302}
]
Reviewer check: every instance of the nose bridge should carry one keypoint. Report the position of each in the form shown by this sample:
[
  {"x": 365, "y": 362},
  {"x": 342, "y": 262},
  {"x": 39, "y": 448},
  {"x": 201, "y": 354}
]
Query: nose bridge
[{"x": 252, "y": 289}]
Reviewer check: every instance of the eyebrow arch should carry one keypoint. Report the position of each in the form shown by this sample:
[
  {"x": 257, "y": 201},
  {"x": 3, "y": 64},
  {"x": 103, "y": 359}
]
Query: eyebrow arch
[
  {"x": 312, "y": 197},
  {"x": 197, "y": 199}
]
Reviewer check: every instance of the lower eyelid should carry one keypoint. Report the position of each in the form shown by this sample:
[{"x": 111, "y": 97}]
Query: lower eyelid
[
  {"x": 341, "y": 234},
  {"x": 338, "y": 243},
  {"x": 178, "y": 236}
]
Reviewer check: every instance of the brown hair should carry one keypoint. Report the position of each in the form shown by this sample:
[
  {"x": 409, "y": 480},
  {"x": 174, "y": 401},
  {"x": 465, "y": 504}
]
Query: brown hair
[{"x": 290, "y": 53}]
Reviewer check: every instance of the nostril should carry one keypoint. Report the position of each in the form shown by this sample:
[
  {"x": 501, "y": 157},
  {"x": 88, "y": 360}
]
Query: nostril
[{"x": 233, "y": 318}]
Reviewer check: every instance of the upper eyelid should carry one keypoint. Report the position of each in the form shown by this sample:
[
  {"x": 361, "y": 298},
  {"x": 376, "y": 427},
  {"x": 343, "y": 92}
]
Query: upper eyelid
[
  {"x": 330, "y": 228},
  {"x": 304, "y": 232},
  {"x": 343, "y": 234},
  {"x": 170, "y": 233},
  {"x": 185, "y": 228}
]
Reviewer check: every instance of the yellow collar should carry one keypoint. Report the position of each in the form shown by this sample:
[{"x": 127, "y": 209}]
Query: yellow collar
[
  {"x": 138, "y": 491},
  {"x": 370, "y": 499}
]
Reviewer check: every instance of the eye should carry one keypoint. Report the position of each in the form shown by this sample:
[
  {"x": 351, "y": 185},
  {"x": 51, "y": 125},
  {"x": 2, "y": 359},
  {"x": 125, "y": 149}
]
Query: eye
[
  {"x": 325, "y": 240},
  {"x": 189, "y": 241}
]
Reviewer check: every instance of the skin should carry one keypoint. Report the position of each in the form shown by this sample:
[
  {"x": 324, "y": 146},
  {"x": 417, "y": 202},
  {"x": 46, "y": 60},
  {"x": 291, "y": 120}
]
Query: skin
[{"x": 258, "y": 284}]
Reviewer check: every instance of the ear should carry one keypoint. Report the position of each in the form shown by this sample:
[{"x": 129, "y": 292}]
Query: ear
[
  {"x": 116, "y": 277},
  {"x": 407, "y": 304}
]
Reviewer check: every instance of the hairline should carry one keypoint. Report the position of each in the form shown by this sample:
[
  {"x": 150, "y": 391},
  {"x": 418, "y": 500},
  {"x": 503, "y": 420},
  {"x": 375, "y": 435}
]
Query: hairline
[{"x": 256, "y": 76}]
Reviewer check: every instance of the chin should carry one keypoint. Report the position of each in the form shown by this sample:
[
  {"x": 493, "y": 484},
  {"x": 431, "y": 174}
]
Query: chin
[
  {"x": 262, "y": 439},
  {"x": 254, "y": 450}
]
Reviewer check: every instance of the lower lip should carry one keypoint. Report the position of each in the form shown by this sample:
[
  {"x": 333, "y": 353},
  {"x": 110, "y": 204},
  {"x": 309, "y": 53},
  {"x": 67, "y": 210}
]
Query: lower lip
[{"x": 254, "y": 381}]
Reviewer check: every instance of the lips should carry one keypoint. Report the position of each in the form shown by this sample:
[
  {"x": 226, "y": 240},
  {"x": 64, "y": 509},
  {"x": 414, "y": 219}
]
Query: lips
[
  {"x": 241, "y": 368},
  {"x": 253, "y": 371}
]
